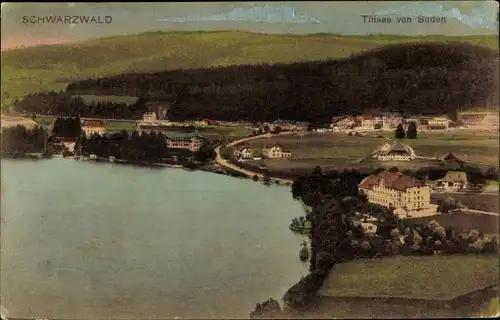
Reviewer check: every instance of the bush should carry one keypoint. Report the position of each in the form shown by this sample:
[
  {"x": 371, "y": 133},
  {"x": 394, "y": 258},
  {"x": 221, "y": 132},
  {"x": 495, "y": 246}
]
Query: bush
[
  {"x": 324, "y": 262},
  {"x": 255, "y": 178},
  {"x": 299, "y": 296},
  {"x": 269, "y": 309}
]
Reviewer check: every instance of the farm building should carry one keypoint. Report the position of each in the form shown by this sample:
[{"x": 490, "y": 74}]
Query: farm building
[{"x": 391, "y": 151}]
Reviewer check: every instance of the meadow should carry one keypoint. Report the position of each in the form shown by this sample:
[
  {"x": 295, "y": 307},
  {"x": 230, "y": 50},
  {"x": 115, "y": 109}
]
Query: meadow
[
  {"x": 334, "y": 150},
  {"x": 210, "y": 132},
  {"x": 470, "y": 146},
  {"x": 488, "y": 224},
  {"x": 52, "y": 67},
  {"x": 422, "y": 277},
  {"x": 323, "y": 147}
]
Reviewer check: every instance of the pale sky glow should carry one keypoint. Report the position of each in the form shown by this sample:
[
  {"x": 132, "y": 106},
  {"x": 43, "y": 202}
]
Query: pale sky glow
[{"x": 297, "y": 17}]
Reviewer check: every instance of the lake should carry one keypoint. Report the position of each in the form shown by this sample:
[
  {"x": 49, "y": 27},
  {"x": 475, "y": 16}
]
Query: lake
[{"x": 97, "y": 240}]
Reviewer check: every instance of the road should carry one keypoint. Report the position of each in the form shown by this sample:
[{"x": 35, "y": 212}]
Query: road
[
  {"x": 481, "y": 212},
  {"x": 226, "y": 164}
]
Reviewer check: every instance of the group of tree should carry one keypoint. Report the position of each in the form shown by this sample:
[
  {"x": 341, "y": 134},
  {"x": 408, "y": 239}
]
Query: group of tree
[
  {"x": 144, "y": 147},
  {"x": 18, "y": 140},
  {"x": 67, "y": 127},
  {"x": 412, "y": 78},
  {"x": 411, "y": 132},
  {"x": 65, "y": 104}
]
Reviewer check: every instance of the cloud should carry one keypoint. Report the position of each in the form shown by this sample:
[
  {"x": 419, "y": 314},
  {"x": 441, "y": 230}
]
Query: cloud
[
  {"x": 483, "y": 16},
  {"x": 267, "y": 13}
]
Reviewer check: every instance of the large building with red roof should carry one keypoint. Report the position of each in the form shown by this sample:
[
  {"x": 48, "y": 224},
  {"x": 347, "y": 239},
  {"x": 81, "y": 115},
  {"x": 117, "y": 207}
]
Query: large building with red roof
[
  {"x": 395, "y": 189},
  {"x": 93, "y": 126}
]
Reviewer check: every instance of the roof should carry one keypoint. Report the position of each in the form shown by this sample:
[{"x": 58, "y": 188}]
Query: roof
[
  {"x": 391, "y": 180},
  {"x": 242, "y": 146},
  {"x": 395, "y": 148},
  {"x": 451, "y": 157},
  {"x": 269, "y": 146},
  {"x": 149, "y": 113},
  {"x": 346, "y": 118},
  {"x": 93, "y": 123},
  {"x": 368, "y": 117},
  {"x": 452, "y": 176}
]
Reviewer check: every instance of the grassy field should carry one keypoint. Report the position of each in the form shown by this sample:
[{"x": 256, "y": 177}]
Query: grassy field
[
  {"x": 429, "y": 277},
  {"x": 321, "y": 148},
  {"x": 129, "y": 125},
  {"x": 11, "y": 121},
  {"x": 488, "y": 224},
  {"x": 52, "y": 67},
  {"x": 483, "y": 202},
  {"x": 332, "y": 150},
  {"x": 472, "y": 146}
]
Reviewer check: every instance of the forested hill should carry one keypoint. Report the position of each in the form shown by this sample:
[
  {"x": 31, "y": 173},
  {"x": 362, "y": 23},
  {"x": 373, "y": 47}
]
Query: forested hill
[{"x": 416, "y": 78}]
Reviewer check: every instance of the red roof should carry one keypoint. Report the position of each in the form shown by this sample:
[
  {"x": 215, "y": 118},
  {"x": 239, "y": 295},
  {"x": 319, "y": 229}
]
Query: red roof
[
  {"x": 368, "y": 117},
  {"x": 93, "y": 123},
  {"x": 391, "y": 180}
]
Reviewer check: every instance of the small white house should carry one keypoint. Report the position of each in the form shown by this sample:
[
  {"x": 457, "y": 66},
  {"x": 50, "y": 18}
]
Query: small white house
[
  {"x": 275, "y": 151},
  {"x": 149, "y": 117},
  {"x": 243, "y": 151},
  {"x": 439, "y": 123},
  {"x": 452, "y": 181}
]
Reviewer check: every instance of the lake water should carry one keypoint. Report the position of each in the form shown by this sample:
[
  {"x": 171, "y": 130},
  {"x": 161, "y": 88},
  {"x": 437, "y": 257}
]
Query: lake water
[{"x": 97, "y": 240}]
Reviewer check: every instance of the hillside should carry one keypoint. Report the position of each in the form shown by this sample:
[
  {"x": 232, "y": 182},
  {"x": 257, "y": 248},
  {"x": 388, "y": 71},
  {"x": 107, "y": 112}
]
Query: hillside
[
  {"x": 52, "y": 67},
  {"x": 431, "y": 78}
]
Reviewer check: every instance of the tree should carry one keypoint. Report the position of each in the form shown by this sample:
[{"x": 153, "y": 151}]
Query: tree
[
  {"x": 400, "y": 132},
  {"x": 378, "y": 126},
  {"x": 277, "y": 130},
  {"x": 411, "y": 133}
]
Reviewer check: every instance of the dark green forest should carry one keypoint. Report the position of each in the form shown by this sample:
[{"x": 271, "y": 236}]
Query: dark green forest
[{"x": 415, "y": 78}]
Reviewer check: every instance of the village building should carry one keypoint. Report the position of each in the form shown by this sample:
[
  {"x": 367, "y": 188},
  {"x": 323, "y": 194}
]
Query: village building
[
  {"x": 93, "y": 126},
  {"x": 160, "y": 108},
  {"x": 408, "y": 195},
  {"x": 189, "y": 142},
  {"x": 243, "y": 151},
  {"x": 391, "y": 151},
  {"x": 422, "y": 124},
  {"x": 452, "y": 181},
  {"x": 149, "y": 117},
  {"x": 490, "y": 122},
  {"x": 438, "y": 123},
  {"x": 63, "y": 143},
  {"x": 369, "y": 122},
  {"x": 275, "y": 151},
  {"x": 344, "y": 122},
  {"x": 391, "y": 120}
]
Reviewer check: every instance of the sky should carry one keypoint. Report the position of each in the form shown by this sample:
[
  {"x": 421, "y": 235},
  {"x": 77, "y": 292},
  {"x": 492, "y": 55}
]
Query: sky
[{"x": 462, "y": 18}]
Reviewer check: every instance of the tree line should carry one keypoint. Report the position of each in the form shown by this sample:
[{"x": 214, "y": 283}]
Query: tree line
[
  {"x": 144, "y": 147},
  {"x": 18, "y": 141},
  {"x": 411, "y": 78},
  {"x": 64, "y": 104}
]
